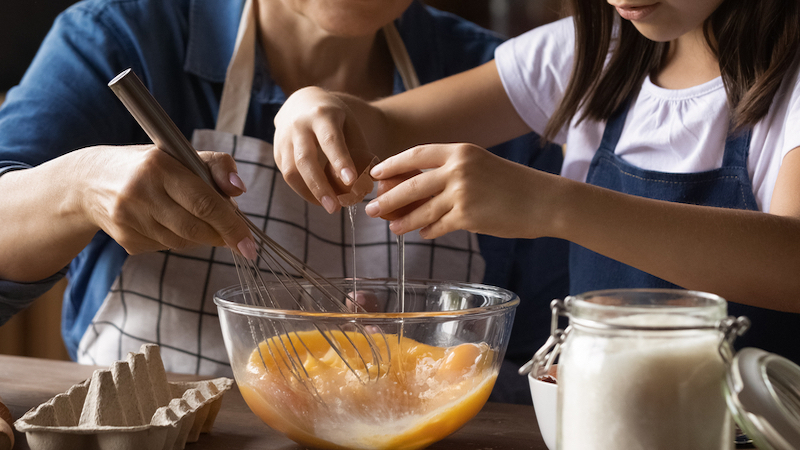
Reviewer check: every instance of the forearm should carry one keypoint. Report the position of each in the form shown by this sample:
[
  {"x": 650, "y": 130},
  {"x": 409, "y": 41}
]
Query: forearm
[
  {"x": 43, "y": 228},
  {"x": 469, "y": 107},
  {"x": 744, "y": 256}
]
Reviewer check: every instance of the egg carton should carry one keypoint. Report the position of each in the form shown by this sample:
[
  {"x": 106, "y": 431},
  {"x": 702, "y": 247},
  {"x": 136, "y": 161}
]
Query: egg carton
[{"x": 128, "y": 406}]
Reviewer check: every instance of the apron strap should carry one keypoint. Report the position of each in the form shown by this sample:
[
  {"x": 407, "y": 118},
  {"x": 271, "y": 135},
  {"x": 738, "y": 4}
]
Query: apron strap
[
  {"x": 614, "y": 127},
  {"x": 400, "y": 57},
  {"x": 737, "y": 148},
  {"x": 236, "y": 92}
]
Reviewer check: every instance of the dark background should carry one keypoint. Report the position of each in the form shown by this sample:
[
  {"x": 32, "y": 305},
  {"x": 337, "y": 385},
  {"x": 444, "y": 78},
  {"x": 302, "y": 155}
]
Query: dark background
[{"x": 24, "y": 23}]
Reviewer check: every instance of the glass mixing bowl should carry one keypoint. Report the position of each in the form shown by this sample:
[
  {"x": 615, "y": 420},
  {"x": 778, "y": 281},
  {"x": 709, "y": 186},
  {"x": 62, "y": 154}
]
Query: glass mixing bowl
[{"x": 382, "y": 379}]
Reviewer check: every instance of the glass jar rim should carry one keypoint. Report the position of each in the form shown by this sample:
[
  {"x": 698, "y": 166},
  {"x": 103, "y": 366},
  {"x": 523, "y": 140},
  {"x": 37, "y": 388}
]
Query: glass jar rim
[{"x": 609, "y": 308}]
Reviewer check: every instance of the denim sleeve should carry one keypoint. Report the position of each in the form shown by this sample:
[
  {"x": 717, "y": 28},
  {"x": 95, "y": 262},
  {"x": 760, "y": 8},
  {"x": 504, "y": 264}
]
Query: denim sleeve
[
  {"x": 8, "y": 166},
  {"x": 62, "y": 102},
  {"x": 14, "y": 297}
]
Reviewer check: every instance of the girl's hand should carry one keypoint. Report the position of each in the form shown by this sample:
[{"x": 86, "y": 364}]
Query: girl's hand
[
  {"x": 319, "y": 146},
  {"x": 385, "y": 185},
  {"x": 148, "y": 201},
  {"x": 464, "y": 187}
]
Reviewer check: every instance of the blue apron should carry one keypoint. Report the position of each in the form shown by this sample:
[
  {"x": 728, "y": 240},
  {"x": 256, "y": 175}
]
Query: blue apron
[{"x": 726, "y": 187}]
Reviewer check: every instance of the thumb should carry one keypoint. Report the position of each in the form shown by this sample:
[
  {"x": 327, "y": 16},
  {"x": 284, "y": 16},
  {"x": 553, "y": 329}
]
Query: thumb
[{"x": 223, "y": 171}]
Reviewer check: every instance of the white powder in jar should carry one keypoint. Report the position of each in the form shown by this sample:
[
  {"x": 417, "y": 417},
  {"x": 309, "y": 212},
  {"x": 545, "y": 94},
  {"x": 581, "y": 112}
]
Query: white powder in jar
[{"x": 643, "y": 389}]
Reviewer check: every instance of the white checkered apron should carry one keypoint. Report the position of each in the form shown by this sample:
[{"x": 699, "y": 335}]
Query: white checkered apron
[{"x": 167, "y": 297}]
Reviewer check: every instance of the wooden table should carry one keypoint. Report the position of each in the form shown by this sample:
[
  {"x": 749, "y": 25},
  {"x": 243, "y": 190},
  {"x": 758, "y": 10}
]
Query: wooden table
[{"x": 27, "y": 382}]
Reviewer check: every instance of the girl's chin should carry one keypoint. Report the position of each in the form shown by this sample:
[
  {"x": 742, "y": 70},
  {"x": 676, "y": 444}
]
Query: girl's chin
[{"x": 657, "y": 34}]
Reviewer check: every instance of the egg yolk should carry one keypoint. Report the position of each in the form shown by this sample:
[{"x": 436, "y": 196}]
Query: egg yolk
[{"x": 333, "y": 390}]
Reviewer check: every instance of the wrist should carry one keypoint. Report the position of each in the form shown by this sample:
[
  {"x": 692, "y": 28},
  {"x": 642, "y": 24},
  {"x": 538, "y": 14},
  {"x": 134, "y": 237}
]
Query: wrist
[
  {"x": 44, "y": 230},
  {"x": 74, "y": 176},
  {"x": 562, "y": 208}
]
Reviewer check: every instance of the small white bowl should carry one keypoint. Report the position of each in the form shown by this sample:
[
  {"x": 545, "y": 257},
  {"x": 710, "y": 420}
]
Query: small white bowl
[{"x": 545, "y": 395}]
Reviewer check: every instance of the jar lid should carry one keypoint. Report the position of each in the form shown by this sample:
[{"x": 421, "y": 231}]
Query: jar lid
[{"x": 763, "y": 393}]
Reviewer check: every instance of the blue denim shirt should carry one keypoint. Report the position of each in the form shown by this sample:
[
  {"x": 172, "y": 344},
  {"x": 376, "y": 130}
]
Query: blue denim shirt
[{"x": 180, "y": 49}]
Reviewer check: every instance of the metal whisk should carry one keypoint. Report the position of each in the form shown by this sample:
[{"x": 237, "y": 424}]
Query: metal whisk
[{"x": 296, "y": 277}]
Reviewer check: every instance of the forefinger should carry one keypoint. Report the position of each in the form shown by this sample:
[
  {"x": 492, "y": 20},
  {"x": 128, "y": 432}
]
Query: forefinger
[
  {"x": 419, "y": 158},
  {"x": 407, "y": 196}
]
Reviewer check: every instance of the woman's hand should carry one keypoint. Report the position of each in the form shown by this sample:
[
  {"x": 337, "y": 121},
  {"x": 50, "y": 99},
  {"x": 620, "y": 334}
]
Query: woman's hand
[
  {"x": 319, "y": 146},
  {"x": 148, "y": 201},
  {"x": 139, "y": 195},
  {"x": 465, "y": 187}
]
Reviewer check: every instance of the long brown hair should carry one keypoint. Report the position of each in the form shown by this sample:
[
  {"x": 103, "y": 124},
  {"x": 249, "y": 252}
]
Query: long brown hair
[{"x": 758, "y": 41}]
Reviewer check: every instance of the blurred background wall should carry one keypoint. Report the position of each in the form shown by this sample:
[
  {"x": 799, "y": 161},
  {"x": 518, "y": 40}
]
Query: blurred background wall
[{"x": 23, "y": 25}]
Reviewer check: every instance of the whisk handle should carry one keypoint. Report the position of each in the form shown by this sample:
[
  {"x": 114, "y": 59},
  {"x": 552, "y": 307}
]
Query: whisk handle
[{"x": 157, "y": 124}]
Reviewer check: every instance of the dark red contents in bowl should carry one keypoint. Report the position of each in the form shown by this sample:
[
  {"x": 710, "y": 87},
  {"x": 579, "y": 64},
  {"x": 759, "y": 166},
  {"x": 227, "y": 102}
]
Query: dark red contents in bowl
[{"x": 547, "y": 379}]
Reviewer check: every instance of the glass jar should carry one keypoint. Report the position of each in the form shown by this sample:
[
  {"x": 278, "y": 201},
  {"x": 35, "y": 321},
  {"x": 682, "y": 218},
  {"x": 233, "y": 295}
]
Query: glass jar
[{"x": 642, "y": 369}]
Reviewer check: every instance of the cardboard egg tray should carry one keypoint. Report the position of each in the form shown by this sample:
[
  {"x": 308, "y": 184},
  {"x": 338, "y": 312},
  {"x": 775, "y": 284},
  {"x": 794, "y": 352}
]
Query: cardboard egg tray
[{"x": 129, "y": 406}]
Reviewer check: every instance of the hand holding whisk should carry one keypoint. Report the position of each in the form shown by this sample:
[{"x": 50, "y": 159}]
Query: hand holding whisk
[{"x": 272, "y": 259}]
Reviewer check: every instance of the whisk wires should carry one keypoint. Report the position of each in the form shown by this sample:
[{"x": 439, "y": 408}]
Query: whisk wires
[{"x": 300, "y": 282}]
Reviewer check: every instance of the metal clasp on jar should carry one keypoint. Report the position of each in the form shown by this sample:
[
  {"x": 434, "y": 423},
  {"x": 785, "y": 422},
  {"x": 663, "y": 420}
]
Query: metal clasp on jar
[
  {"x": 731, "y": 328},
  {"x": 543, "y": 359}
]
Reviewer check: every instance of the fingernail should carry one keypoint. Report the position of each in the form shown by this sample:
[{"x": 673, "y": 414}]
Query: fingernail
[
  {"x": 373, "y": 208},
  {"x": 376, "y": 171},
  {"x": 348, "y": 176},
  {"x": 328, "y": 204},
  {"x": 396, "y": 226},
  {"x": 236, "y": 181},
  {"x": 247, "y": 247},
  {"x": 424, "y": 232}
]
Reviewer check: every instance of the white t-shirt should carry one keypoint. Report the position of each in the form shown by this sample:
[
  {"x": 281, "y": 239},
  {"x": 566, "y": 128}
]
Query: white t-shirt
[{"x": 680, "y": 131}]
